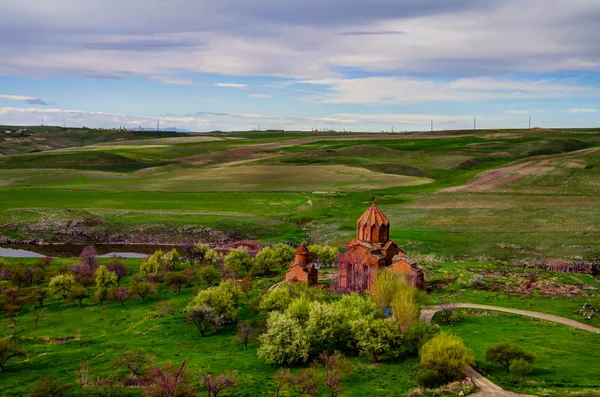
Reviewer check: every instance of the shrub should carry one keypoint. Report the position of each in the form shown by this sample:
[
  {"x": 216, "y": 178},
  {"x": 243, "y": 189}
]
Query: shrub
[
  {"x": 239, "y": 260},
  {"x": 418, "y": 334},
  {"x": 209, "y": 274},
  {"x": 519, "y": 368},
  {"x": 477, "y": 281},
  {"x": 9, "y": 350},
  {"x": 50, "y": 387},
  {"x": 505, "y": 353},
  {"x": 105, "y": 278},
  {"x": 447, "y": 356},
  {"x": 61, "y": 284},
  {"x": 222, "y": 299},
  {"x": 176, "y": 280},
  {"x": 376, "y": 337},
  {"x": 427, "y": 379}
]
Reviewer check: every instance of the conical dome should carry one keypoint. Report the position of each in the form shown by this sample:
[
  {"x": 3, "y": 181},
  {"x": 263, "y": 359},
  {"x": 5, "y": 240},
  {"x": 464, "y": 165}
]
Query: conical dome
[
  {"x": 373, "y": 226},
  {"x": 302, "y": 255}
]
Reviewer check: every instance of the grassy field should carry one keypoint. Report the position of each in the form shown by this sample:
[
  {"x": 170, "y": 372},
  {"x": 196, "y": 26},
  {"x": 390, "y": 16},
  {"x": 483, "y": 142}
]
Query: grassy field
[
  {"x": 565, "y": 362},
  {"x": 313, "y": 186},
  {"x": 68, "y": 336}
]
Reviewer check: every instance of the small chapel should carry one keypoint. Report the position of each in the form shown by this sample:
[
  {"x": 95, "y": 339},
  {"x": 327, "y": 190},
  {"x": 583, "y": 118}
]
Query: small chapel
[
  {"x": 373, "y": 250},
  {"x": 304, "y": 268}
]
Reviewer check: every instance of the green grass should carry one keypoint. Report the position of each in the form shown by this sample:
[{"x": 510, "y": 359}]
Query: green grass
[
  {"x": 104, "y": 337},
  {"x": 565, "y": 359}
]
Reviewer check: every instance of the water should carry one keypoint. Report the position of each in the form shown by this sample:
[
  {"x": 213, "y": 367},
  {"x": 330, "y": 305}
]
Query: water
[{"x": 72, "y": 250}]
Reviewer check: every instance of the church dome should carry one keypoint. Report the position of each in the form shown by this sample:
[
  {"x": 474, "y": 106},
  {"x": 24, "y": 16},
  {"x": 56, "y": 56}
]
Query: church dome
[{"x": 373, "y": 226}]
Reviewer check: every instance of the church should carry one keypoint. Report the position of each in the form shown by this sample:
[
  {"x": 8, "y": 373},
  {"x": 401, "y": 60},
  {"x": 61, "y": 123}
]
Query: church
[
  {"x": 304, "y": 268},
  {"x": 371, "y": 251}
]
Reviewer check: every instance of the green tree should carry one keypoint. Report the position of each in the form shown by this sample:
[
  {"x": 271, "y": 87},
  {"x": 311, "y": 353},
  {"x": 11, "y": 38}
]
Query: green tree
[
  {"x": 204, "y": 254},
  {"x": 50, "y": 387},
  {"x": 283, "y": 254},
  {"x": 277, "y": 299},
  {"x": 209, "y": 274},
  {"x": 239, "y": 261},
  {"x": 153, "y": 264},
  {"x": 404, "y": 307},
  {"x": 376, "y": 337},
  {"x": 77, "y": 293},
  {"x": 447, "y": 356},
  {"x": 9, "y": 350},
  {"x": 134, "y": 360},
  {"x": 105, "y": 278},
  {"x": 505, "y": 353},
  {"x": 141, "y": 289},
  {"x": 326, "y": 253},
  {"x": 176, "y": 280},
  {"x": 327, "y": 326},
  {"x": 222, "y": 299},
  {"x": 285, "y": 342},
  {"x": 265, "y": 263},
  {"x": 61, "y": 284},
  {"x": 204, "y": 318},
  {"x": 418, "y": 334}
]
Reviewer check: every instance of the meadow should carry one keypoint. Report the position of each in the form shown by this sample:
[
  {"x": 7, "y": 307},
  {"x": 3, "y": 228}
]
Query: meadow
[{"x": 313, "y": 186}]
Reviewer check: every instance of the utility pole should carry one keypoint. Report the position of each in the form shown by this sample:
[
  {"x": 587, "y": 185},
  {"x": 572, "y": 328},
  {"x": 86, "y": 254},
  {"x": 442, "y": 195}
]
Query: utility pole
[
  {"x": 529, "y": 122},
  {"x": 431, "y": 125},
  {"x": 474, "y": 123},
  {"x": 157, "y": 125},
  {"x": 42, "y": 121},
  {"x": 392, "y": 129}
]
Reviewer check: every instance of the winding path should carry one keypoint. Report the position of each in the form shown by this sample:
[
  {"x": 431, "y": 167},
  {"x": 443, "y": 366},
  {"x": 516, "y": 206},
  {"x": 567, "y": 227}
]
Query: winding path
[{"x": 486, "y": 387}]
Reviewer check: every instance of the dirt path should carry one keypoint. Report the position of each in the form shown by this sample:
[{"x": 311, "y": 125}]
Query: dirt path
[
  {"x": 501, "y": 176},
  {"x": 486, "y": 387}
]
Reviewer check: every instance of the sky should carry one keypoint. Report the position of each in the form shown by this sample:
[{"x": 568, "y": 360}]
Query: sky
[{"x": 354, "y": 65}]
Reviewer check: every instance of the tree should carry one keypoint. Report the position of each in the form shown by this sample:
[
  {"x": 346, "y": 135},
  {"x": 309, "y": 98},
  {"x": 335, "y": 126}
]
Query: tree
[
  {"x": 141, "y": 289},
  {"x": 105, "y": 278},
  {"x": 244, "y": 333},
  {"x": 209, "y": 274},
  {"x": 176, "y": 280},
  {"x": 519, "y": 368},
  {"x": 447, "y": 311},
  {"x": 152, "y": 265},
  {"x": 404, "y": 307},
  {"x": 239, "y": 260},
  {"x": 385, "y": 287},
  {"x": 277, "y": 299},
  {"x": 121, "y": 294},
  {"x": 40, "y": 295},
  {"x": 375, "y": 337},
  {"x": 88, "y": 256},
  {"x": 222, "y": 299},
  {"x": 50, "y": 387},
  {"x": 168, "y": 382},
  {"x": 61, "y": 284},
  {"x": 335, "y": 366},
  {"x": 283, "y": 254},
  {"x": 215, "y": 384},
  {"x": 118, "y": 268},
  {"x": 305, "y": 383},
  {"x": 447, "y": 356},
  {"x": 9, "y": 350},
  {"x": 505, "y": 353},
  {"x": 77, "y": 293},
  {"x": 326, "y": 253},
  {"x": 204, "y": 318},
  {"x": 285, "y": 342},
  {"x": 102, "y": 295},
  {"x": 36, "y": 315},
  {"x": 134, "y": 360},
  {"x": 265, "y": 263}
]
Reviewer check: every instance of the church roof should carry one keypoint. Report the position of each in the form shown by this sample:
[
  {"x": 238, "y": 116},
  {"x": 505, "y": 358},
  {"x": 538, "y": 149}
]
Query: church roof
[
  {"x": 302, "y": 250},
  {"x": 373, "y": 216}
]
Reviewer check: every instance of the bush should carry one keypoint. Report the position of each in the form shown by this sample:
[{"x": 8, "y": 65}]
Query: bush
[
  {"x": 418, "y": 334},
  {"x": 519, "y": 368},
  {"x": 447, "y": 356},
  {"x": 505, "y": 353},
  {"x": 222, "y": 299},
  {"x": 477, "y": 281},
  {"x": 427, "y": 379},
  {"x": 239, "y": 260}
]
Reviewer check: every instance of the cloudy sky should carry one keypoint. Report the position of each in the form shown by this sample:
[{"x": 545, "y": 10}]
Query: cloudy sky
[{"x": 343, "y": 64}]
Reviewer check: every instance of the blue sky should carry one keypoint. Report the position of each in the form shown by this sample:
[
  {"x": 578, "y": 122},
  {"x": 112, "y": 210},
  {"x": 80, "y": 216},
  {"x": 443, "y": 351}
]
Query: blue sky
[{"x": 341, "y": 64}]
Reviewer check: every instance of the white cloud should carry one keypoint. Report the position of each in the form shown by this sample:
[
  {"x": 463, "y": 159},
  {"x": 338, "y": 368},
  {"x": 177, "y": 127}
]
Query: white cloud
[
  {"x": 16, "y": 97},
  {"x": 582, "y": 110},
  {"x": 230, "y": 85},
  {"x": 389, "y": 90},
  {"x": 171, "y": 80},
  {"x": 260, "y": 96}
]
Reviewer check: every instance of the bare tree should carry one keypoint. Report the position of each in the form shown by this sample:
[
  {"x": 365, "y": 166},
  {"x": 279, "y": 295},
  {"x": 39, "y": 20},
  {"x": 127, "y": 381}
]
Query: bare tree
[
  {"x": 335, "y": 366},
  {"x": 244, "y": 333},
  {"x": 447, "y": 310},
  {"x": 133, "y": 360},
  {"x": 215, "y": 384}
]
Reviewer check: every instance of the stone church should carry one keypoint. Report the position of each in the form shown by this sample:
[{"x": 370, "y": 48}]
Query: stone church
[
  {"x": 373, "y": 250},
  {"x": 304, "y": 268}
]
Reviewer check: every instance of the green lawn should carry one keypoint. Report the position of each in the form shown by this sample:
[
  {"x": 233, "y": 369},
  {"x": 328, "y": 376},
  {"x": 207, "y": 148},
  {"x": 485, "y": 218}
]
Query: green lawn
[{"x": 566, "y": 360}]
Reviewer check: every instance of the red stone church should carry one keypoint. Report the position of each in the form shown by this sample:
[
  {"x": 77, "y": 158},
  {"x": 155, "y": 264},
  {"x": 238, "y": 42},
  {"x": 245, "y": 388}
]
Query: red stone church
[
  {"x": 373, "y": 250},
  {"x": 304, "y": 268}
]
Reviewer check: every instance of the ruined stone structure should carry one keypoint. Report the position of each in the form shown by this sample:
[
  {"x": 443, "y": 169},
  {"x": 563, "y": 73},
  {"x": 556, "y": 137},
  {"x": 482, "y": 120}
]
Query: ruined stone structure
[
  {"x": 373, "y": 250},
  {"x": 304, "y": 268}
]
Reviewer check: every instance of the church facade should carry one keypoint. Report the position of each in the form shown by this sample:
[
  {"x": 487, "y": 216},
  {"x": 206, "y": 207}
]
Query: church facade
[{"x": 371, "y": 251}]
